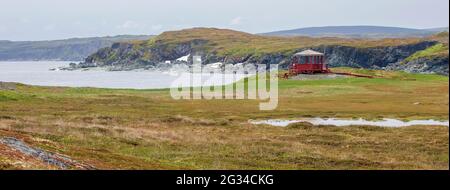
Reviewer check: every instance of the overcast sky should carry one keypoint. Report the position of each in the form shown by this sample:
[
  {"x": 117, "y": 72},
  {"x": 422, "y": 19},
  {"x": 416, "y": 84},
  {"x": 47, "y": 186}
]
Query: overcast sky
[{"x": 59, "y": 19}]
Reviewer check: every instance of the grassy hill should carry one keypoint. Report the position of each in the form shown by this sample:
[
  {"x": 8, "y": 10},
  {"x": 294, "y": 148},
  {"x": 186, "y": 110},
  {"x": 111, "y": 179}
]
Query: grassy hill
[
  {"x": 223, "y": 45},
  {"x": 75, "y": 49},
  {"x": 438, "y": 50},
  {"x": 434, "y": 56},
  {"x": 231, "y": 43},
  {"x": 357, "y": 32}
]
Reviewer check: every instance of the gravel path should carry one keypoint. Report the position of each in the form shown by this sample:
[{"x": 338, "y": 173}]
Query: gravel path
[{"x": 60, "y": 161}]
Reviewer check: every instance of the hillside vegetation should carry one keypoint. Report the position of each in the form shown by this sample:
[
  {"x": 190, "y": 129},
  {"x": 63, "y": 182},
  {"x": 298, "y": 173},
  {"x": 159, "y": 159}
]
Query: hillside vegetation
[
  {"x": 433, "y": 59},
  {"x": 233, "y": 43},
  {"x": 358, "y": 32},
  {"x": 228, "y": 46},
  {"x": 75, "y": 49},
  {"x": 438, "y": 50}
]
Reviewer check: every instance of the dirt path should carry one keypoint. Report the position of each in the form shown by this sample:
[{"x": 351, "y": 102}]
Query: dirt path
[
  {"x": 316, "y": 77},
  {"x": 56, "y": 160}
]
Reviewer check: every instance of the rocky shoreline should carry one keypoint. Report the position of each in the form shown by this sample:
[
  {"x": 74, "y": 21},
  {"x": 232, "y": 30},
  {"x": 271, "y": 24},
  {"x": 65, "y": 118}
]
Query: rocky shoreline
[
  {"x": 432, "y": 65},
  {"x": 383, "y": 58},
  {"x": 215, "y": 46}
]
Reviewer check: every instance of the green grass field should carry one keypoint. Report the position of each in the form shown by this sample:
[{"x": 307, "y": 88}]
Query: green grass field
[{"x": 147, "y": 129}]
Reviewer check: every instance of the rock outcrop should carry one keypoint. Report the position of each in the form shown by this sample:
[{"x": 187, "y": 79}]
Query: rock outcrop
[
  {"x": 438, "y": 65},
  {"x": 127, "y": 56}
]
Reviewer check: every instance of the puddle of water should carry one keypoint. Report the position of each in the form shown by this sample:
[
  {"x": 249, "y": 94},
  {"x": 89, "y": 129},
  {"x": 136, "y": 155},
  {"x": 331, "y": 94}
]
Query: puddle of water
[{"x": 345, "y": 122}]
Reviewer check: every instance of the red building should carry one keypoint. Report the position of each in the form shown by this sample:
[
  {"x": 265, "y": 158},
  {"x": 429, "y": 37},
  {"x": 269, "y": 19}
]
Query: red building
[{"x": 308, "y": 62}]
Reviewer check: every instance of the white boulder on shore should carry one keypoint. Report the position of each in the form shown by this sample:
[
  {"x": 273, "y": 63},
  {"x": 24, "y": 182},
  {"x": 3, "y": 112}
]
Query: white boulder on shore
[{"x": 184, "y": 58}]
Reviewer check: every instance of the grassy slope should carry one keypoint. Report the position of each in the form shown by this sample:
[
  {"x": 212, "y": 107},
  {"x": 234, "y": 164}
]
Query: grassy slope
[
  {"x": 234, "y": 43},
  {"x": 69, "y": 49},
  {"x": 147, "y": 129},
  {"x": 438, "y": 50}
]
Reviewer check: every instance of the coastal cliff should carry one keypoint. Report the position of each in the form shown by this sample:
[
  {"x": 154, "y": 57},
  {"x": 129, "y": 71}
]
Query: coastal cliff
[{"x": 232, "y": 47}]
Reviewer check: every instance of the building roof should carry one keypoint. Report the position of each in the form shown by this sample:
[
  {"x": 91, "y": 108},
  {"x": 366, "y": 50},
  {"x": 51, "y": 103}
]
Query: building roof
[{"x": 309, "y": 52}]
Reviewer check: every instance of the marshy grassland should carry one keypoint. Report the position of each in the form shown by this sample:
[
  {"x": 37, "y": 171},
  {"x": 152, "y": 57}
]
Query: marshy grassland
[{"x": 147, "y": 129}]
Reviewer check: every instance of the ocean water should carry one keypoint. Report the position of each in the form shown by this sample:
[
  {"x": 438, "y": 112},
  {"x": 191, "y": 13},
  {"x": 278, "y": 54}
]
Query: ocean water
[{"x": 40, "y": 74}]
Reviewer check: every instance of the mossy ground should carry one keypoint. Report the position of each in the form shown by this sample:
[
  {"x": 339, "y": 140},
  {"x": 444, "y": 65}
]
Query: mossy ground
[
  {"x": 438, "y": 50},
  {"x": 147, "y": 129}
]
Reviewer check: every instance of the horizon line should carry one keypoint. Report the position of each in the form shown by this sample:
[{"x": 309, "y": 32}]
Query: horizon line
[{"x": 110, "y": 35}]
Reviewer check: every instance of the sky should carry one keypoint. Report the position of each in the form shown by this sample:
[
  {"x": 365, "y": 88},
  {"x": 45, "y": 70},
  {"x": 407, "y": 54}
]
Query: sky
[{"x": 22, "y": 20}]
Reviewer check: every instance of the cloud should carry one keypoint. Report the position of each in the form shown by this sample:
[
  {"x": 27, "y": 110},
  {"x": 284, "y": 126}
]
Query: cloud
[
  {"x": 136, "y": 26},
  {"x": 24, "y": 20},
  {"x": 130, "y": 24},
  {"x": 49, "y": 27},
  {"x": 157, "y": 27},
  {"x": 236, "y": 21}
]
